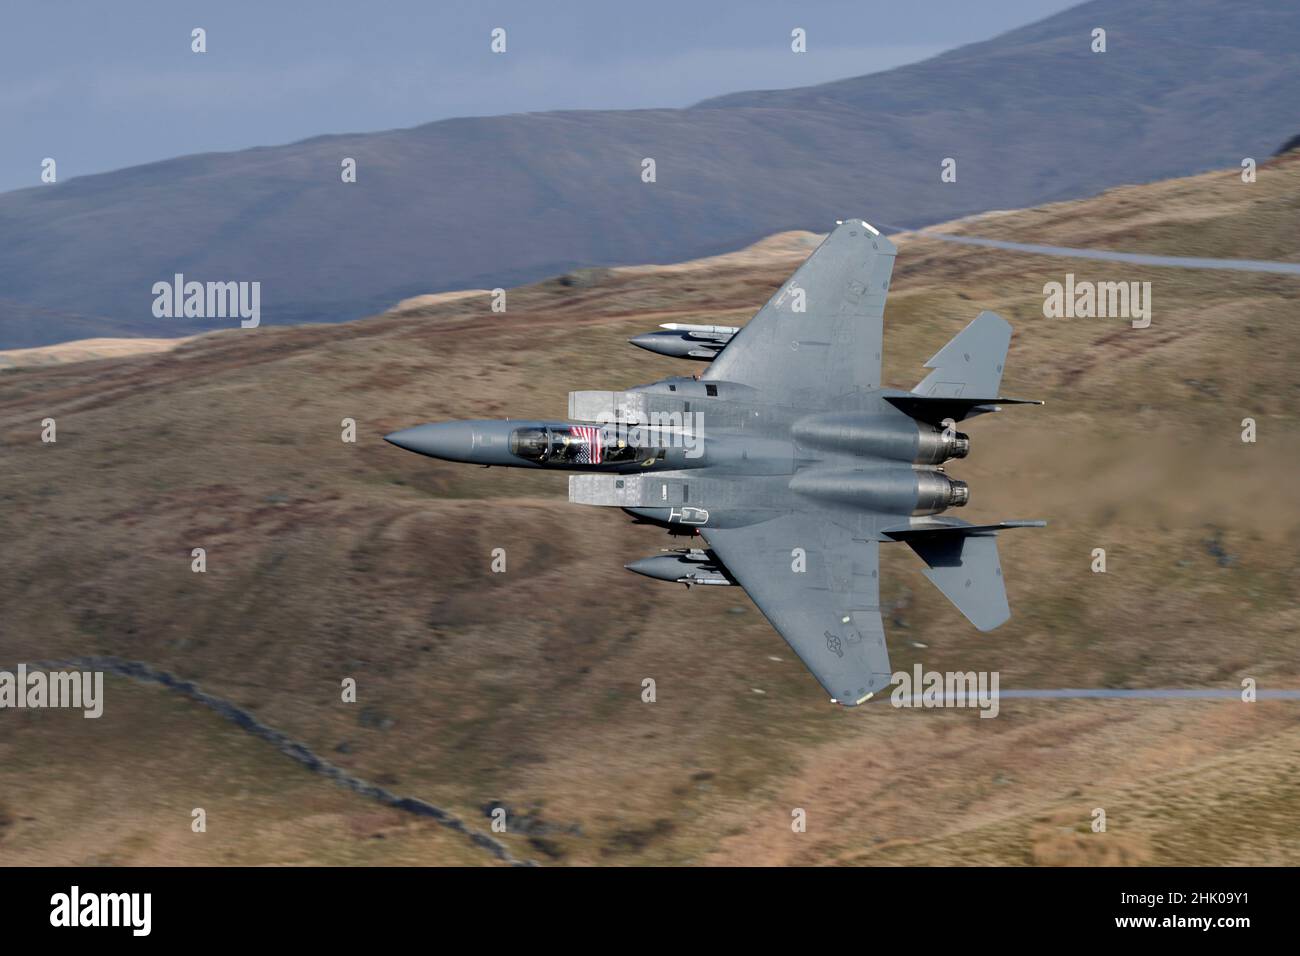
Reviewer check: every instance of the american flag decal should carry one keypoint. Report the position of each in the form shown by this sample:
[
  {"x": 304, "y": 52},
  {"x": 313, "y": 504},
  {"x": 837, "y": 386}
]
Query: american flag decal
[{"x": 592, "y": 450}]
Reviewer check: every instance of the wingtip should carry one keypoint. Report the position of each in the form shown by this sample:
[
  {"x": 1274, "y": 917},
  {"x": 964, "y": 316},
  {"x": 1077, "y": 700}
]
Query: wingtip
[
  {"x": 989, "y": 316},
  {"x": 853, "y": 703},
  {"x": 840, "y": 223}
]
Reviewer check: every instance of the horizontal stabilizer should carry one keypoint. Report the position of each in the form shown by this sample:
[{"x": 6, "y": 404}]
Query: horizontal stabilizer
[
  {"x": 962, "y": 562},
  {"x": 949, "y": 526},
  {"x": 936, "y": 410}
]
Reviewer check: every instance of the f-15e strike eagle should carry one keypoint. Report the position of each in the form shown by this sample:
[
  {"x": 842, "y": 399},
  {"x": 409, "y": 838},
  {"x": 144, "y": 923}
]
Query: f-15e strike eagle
[{"x": 788, "y": 458}]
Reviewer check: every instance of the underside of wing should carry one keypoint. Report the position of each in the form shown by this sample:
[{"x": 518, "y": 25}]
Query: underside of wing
[
  {"x": 819, "y": 336},
  {"x": 820, "y": 588}
]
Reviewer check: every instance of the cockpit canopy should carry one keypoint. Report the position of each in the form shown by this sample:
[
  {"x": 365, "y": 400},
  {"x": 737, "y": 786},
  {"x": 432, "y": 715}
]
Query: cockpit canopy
[
  {"x": 573, "y": 445},
  {"x": 531, "y": 444}
]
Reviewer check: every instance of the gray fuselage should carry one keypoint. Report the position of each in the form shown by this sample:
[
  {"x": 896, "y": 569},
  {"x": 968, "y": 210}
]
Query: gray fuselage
[{"x": 690, "y": 454}]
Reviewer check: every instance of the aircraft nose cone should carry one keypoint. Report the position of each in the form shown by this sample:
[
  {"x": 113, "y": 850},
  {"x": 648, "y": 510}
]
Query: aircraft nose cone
[
  {"x": 450, "y": 440},
  {"x": 646, "y": 340}
]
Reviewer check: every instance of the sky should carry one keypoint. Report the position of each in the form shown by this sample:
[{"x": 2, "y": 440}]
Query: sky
[{"x": 102, "y": 84}]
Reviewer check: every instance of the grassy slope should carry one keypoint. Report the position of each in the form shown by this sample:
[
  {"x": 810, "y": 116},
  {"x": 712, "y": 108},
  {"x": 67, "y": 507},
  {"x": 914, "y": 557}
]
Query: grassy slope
[{"x": 329, "y": 560}]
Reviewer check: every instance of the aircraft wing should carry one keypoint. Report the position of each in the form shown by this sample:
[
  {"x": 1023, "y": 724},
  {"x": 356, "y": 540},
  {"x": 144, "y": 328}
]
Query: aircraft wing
[
  {"x": 829, "y": 613},
  {"x": 819, "y": 336}
]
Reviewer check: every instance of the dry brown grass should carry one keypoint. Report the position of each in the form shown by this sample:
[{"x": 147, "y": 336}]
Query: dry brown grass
[{"x": 329, "y": 560}]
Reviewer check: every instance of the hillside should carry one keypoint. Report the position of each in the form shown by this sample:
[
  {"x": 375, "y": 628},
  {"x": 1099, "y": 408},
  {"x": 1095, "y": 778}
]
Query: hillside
[
  {"x": 1030, "y": 116},
  {"x": 328, "y": 560}
]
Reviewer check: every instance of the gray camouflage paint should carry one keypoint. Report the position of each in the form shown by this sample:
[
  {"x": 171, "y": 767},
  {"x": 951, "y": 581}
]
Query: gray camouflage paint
[{"x": 792, "y": 463}]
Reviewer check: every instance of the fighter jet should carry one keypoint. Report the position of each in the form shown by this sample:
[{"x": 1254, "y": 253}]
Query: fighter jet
[{"x": 788, "y": 461}]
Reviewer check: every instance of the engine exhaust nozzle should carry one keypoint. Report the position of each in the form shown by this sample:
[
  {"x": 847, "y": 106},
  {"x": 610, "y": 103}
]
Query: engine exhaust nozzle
[{"x": 936, "y": 492}]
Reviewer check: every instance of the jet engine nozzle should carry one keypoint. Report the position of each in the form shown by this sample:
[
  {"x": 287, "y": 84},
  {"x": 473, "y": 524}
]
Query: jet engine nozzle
[
  {"x": 936, "y": 492},
  {"x": 960, "y": 493},
  {"x": 936, "y": 445}
]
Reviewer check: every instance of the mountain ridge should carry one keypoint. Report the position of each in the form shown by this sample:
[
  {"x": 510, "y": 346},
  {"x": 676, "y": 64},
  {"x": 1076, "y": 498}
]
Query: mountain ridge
[{"x": 1030, "y": 116}]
